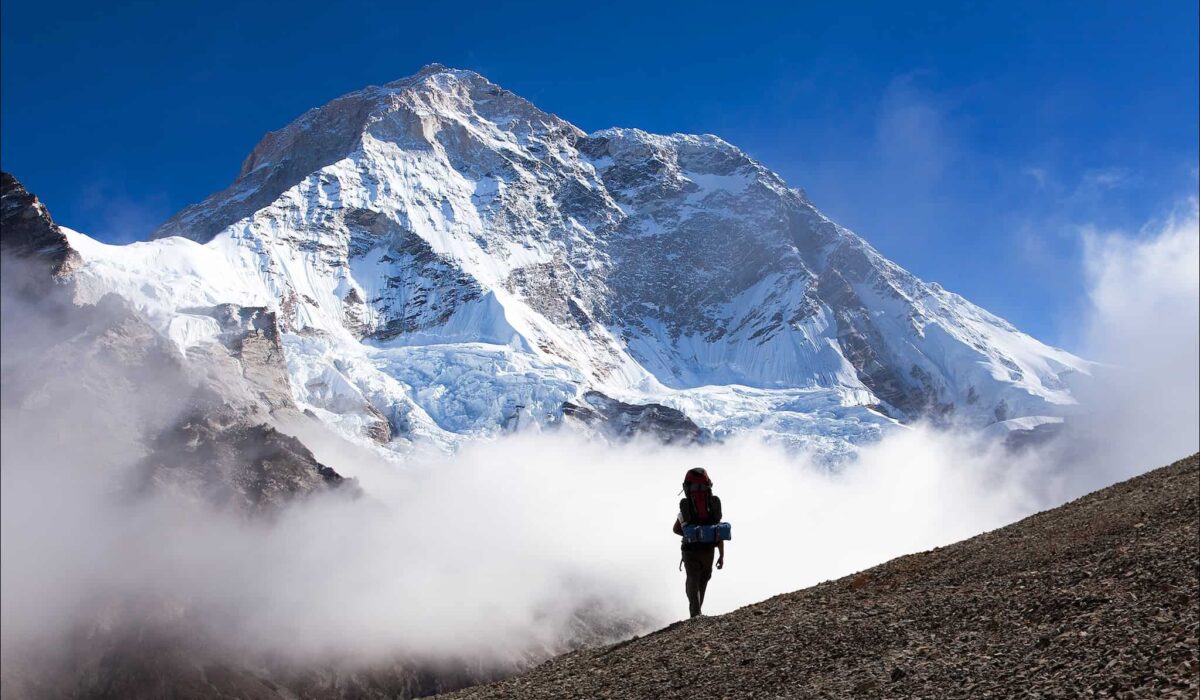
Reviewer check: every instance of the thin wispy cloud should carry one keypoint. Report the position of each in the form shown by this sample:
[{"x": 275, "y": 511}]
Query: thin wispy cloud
[
  {"x": 912, "y": 133},
  {"x": 1104, "y": 178},
  {"x": 1039, "y": 175},
  {"x": 109, "y": 213}
]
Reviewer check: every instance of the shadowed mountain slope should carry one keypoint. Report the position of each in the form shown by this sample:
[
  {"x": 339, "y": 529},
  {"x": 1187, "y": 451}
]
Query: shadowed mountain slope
[{"x": 1097, "y": 597}]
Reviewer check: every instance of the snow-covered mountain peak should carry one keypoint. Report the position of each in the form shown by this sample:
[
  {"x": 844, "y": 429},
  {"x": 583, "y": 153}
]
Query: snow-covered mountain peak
[
  {"x": 438, "y": 109},
  {"x": 454, "y": 93},
  {"x": 407, "y": 232},
  {"x": 432, "y": 69}
]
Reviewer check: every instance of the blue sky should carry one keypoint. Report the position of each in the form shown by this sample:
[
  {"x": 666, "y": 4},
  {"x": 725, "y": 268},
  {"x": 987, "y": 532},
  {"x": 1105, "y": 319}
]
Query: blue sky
[{"x": 967, "y": 141}]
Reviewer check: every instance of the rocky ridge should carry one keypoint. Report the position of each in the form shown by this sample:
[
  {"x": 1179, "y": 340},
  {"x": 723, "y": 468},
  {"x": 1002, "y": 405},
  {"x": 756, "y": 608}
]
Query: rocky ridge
[{"x": 1097, "y": 598}]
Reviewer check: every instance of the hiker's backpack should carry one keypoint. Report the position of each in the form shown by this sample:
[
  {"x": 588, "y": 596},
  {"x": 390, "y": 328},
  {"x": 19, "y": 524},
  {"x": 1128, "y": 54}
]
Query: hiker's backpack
[
  {"x": 705, "y": 527},
  {"x": 708, "y": 512}
]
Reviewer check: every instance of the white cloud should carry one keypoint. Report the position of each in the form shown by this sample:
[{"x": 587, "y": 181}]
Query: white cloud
[{"x": 1144, "y": 325}]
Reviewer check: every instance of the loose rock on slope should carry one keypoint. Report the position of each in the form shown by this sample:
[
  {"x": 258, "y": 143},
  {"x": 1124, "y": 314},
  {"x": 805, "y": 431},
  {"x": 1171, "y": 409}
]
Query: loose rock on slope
[{"x": 1096, "y": 598}]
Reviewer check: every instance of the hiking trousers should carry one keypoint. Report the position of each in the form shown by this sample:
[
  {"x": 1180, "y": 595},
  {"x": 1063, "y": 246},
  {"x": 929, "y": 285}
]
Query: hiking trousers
[{"x": 698, "y": 564}]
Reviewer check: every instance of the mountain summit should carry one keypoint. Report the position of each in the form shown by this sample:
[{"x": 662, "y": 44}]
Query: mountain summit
[{"x": 446, "y": 260}]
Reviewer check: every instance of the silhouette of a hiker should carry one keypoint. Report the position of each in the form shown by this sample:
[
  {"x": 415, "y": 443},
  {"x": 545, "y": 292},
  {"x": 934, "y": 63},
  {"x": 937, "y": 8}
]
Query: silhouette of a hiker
[{"x": 698, "y": 507}]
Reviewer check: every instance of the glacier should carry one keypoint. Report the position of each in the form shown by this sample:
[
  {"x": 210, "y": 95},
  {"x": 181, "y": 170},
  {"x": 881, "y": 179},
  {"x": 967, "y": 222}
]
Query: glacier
[{"x": 447, "y": 262}]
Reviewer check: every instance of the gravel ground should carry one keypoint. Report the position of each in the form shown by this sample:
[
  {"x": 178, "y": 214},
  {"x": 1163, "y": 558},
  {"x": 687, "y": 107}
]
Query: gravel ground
[{"x": 1097, "y": 598}]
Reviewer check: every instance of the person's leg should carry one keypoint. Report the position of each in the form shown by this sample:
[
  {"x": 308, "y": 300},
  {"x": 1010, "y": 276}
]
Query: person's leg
[
  {"x": 704, "y": 567},
  {"x": 692, "y": 585}
]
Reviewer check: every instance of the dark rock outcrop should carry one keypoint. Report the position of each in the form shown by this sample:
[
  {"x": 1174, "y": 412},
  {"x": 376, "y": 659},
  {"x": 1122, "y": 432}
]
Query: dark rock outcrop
[
  {"x": 27, "y": 231},
  {"x": 621, "y": 420},
  {"x": 213, "y": 455}
]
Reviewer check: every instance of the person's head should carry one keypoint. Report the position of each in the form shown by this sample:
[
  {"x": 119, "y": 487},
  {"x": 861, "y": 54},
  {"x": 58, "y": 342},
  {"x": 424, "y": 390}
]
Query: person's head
[{"x": 697, "y": 480}]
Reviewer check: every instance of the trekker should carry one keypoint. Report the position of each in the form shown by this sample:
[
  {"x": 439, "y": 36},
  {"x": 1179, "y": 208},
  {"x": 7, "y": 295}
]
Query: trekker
[{"x": 698, "y": 507}]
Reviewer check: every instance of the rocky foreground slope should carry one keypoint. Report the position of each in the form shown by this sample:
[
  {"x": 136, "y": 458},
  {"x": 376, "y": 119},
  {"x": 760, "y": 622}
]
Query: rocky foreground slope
[{"x": 1097, "y": 598}]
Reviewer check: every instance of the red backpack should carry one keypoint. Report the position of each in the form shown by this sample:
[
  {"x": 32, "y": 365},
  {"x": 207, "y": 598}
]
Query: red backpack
[{"x": 699, "y": 508}]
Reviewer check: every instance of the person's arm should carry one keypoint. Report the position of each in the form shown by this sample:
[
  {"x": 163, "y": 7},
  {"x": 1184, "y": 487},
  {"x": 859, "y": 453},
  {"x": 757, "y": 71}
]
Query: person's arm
[
  {"x": 721, "y": 552},
  {"x": 678, "y": 530}
]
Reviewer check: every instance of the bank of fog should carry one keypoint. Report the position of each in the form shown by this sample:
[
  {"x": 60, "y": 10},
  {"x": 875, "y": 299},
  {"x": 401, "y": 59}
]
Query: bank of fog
[
  {"x": 510, "y": 549},
  {"x": 504, "y": 552}
]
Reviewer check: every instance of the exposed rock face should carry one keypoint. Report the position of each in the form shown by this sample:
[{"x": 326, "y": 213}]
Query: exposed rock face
[
  {"x": 213, "y": 455},
  {"x": 252, "y": 337},
  {"x": 27, "y": 231},
  {"x": 621, "y": 420},
  {"x": 1096, "y": 598}
]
